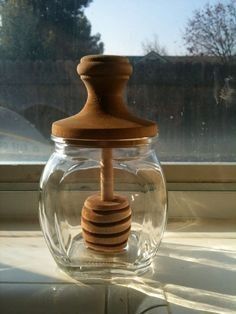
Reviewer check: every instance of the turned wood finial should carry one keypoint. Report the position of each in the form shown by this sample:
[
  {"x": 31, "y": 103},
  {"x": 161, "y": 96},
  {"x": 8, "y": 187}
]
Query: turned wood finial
[{"x": 105, "y": 115}]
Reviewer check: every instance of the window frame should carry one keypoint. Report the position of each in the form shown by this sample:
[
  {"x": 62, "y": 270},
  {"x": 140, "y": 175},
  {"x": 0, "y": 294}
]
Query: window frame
[
  {"x": 195, "y": 190},
  {"x": 175, "y": 172}
]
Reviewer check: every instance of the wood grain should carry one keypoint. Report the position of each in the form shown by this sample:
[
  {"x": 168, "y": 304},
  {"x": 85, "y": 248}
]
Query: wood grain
[
  {"x": 105, "y": 116},
  {"x": 106, "y": 224}
]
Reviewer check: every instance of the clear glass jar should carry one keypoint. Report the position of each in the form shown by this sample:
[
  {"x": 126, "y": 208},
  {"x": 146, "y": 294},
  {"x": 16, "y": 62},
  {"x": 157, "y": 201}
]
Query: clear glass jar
[{"x": 71, "y": 175}]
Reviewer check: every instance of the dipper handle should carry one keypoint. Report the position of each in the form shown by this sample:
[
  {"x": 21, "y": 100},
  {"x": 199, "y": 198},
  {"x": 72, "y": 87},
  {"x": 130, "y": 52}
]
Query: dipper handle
[{"x": 106, "y": 175}]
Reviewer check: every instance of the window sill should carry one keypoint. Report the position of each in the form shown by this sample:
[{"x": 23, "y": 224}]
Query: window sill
[{"x": 193, "y": 272}]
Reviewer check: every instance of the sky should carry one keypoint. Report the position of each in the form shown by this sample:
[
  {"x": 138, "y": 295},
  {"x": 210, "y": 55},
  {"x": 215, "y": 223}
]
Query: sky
[{"x": 125, "y": 24}]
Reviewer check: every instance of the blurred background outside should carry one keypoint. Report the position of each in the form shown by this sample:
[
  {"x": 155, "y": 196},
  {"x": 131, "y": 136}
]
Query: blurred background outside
[{"x": 184, "y": 59}]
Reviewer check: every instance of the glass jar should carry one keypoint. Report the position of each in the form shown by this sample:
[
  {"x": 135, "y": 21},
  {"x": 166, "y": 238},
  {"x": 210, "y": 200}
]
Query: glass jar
[
  {"x": 71, "y": 175},
  {"x": 103, "y": 193}
]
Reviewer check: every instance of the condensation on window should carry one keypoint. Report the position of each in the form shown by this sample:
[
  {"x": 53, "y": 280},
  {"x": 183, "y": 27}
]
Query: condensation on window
[{"x": 194, "y": 103}]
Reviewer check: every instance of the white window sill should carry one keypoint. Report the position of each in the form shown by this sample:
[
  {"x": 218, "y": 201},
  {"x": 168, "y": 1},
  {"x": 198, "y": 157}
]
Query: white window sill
[{"x": 195, "y": 272}]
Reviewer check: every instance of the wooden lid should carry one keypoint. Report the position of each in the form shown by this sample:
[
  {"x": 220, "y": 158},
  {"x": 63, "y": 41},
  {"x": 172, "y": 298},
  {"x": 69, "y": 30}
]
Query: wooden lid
[{"x": 105, "y": 115}]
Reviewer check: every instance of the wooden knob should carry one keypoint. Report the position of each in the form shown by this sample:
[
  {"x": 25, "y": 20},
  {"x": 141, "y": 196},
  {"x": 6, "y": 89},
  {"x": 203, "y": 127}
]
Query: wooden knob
[
  {"x": 105, "y": 116},
  {"x": 106, "y": 224}
]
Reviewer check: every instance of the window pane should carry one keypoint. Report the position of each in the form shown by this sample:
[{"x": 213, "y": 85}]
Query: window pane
[{"x": 188, "y": 90}]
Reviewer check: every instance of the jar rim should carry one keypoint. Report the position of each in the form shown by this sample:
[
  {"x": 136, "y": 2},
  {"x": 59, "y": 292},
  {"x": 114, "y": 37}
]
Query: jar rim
[{"x": 103, "y": 144}]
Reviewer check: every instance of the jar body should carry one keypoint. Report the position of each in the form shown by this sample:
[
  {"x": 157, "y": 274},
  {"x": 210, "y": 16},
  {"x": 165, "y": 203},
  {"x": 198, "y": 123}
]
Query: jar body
[{"x": 71, "y": 175}]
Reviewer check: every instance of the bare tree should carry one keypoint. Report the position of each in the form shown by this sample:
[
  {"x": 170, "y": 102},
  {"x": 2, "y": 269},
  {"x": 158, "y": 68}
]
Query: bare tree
[
  {"x": 212, "y": 31},
  {"x": 154, "y": 45}
]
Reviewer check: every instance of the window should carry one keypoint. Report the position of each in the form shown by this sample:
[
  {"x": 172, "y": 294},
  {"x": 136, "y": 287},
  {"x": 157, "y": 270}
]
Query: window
[
  {"x": 191, "y": 94},
  {"x": 192, "y": 98}
]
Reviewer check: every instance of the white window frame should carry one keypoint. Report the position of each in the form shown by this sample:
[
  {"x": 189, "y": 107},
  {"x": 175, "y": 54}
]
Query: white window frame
[{"x": 202, "y": 190}]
